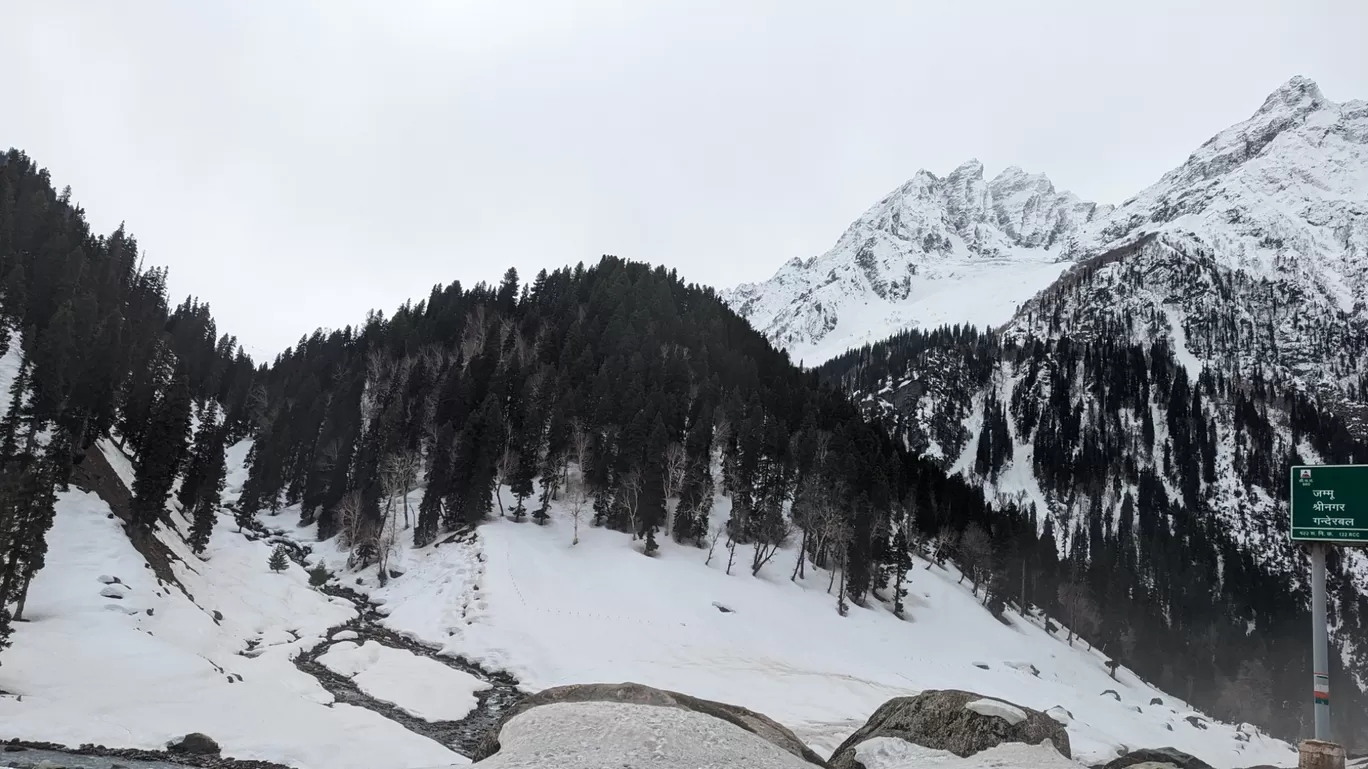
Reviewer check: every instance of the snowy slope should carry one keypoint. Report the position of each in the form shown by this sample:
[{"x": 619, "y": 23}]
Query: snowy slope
[
  {"x": 934, "y": 251},
  {"x": 1281, "y": 197},
  {"x": 139, "y": 663},
  {"x": 521, "y": 598}
]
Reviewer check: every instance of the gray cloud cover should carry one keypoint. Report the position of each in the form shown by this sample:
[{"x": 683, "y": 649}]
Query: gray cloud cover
[{"x": 298, "y": 163}]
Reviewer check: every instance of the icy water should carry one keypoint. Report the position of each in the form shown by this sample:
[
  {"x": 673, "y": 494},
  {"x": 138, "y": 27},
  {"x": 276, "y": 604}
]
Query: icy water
[
  {"x": 36, "y": 758},
  {"x": 461, "y": 736}
]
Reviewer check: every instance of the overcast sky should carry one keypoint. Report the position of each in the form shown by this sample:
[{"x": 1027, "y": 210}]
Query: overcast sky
[{"x": 297, "y": 163}]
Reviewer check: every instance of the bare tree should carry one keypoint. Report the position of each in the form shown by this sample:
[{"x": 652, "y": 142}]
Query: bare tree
[
  {"x": 774, "y": 531},
  {"x": 506, "y": 465},
  {"x": 386, "y": 544},
  {"x": 629, "y": 496},
  {"x": 947, "y": 543},
  {"x": 399, "y": 476},
  {"x": 676, "y": 466},
  {"x": 722, "y": 430},
  {"x": 475, "y": 334},
  {"x": 838, "y": 534},
  {"x": 577, "y": 502},
  {"x": 348, "y": 513},
  {"x": 976, "y": 554},
  {"x": 716, "y": 529},
  {"x": 1080, "y": 610},
  {"x": 580, "y": 439}
]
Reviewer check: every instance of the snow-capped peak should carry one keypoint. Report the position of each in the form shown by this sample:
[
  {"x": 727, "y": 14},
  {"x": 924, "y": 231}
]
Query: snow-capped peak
[
  {"x": 1298, "y": 94},
  {"x": 1280, "y": 195},
  {"x": 908, "y": 258}
]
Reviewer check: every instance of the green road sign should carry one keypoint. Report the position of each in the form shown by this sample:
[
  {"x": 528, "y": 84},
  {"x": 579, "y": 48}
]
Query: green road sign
[{"x": 1330, "y": 504}]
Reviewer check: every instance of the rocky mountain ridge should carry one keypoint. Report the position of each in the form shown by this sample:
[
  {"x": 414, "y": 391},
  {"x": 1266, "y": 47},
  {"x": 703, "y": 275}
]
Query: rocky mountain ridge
[{"x": 1279, "y": 200}]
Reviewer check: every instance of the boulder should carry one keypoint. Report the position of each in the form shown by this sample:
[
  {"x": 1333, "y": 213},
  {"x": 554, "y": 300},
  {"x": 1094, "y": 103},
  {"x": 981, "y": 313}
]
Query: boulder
[
  {"x": 1157, "y": 758},
  {"x": 961, "y": 722},
  {"x": 195, "y": 744},
  {"x": 637, "y": 694}
]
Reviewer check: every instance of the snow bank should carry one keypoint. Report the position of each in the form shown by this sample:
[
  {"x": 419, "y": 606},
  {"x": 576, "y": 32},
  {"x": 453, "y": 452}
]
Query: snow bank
[
  {"x": 419, "y": 686},
  {"x": 1009, "y": 713},
  {"x": 87, "y": 674}
]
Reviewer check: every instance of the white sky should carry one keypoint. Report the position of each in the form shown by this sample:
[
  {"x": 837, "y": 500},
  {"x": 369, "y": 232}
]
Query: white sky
[{"x": 297, "y": 163}]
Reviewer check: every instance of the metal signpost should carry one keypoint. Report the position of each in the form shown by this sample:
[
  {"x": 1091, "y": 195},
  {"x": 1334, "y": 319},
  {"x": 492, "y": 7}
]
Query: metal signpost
[{"x": 1329, "y": 507}]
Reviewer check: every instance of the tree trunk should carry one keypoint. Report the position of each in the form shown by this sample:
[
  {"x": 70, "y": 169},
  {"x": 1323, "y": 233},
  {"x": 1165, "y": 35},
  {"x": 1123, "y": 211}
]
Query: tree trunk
[
  {"x": 498, "y": 494},
  {"x": 23, "y": 598},
  {"x": 802, "y": 556},
  {"x": 731, "y": 554}
]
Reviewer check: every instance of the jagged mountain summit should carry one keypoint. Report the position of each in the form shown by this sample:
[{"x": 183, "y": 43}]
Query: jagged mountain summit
[
  {"x": 1253, "y": 254},
  {"x": 1281, "y": 197},
  {"x": 911, "y": 259}
]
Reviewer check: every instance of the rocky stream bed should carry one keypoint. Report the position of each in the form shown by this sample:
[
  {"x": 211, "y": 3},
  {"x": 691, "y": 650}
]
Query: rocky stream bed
[{"x": 461, "y": 736}]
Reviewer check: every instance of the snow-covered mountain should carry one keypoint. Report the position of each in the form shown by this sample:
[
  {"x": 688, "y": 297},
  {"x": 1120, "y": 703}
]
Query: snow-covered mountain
[
  {"x": 914, "y": 257},
  {"x": 1209, "y": 333},
  {"x": 1280, "y": 199}
]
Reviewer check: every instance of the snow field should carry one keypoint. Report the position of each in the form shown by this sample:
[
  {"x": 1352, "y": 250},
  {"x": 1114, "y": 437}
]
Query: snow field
[
  {"x": 520, "y": 598},
  {"x": 154, "y": 665}
]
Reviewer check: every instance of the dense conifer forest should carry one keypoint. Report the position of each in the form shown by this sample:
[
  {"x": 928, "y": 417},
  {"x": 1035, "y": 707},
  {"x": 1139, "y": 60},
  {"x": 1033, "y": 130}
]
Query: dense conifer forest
[
  {"x": 1168, "y": 489},
  {"x": 641, "y": 400},
  {"x": 103, "y": 353}
]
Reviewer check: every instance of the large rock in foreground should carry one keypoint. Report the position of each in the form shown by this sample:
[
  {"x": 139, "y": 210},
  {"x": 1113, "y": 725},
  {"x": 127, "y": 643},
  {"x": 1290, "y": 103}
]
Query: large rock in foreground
[
  {"x": 630, "y": 724},
  {"x": 1157, "y": 758},
  {"x": 963, "y": 723}
]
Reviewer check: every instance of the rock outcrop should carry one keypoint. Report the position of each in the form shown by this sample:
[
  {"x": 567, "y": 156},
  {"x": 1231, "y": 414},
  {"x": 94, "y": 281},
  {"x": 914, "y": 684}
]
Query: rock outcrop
[
  {"x": 195, "y": 744},
  {"x": 1157, "y": 758},
  {"x": 756, "y": 724},
  {"x": 961, "y": 722}
]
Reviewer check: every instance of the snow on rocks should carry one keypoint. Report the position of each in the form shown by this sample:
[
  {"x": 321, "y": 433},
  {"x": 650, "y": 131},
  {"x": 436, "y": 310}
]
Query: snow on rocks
[
  {"x": 754, "y": 723},
  {"x": 345, "y": 635},
  {"x": 421, "y": 687},
  {"x": 891, "y": 753},
  {"x": 957, "y": 721},
  {"x": 592, "y": 735},
  {"x": 1060, "y": 714},
  {"x": 1009, "y": 713}
]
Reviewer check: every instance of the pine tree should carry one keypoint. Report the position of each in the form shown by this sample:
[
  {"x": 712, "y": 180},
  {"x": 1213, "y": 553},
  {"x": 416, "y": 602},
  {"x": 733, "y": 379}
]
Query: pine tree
[
  {"x": 280, "y": 559},
  {"x": 162, "y": 455},
  {"x": 205, "y": 505}
]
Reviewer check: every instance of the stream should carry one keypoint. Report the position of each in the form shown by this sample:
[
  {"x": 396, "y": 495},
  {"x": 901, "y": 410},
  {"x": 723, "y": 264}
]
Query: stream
[{"x": 461, "y": 736}]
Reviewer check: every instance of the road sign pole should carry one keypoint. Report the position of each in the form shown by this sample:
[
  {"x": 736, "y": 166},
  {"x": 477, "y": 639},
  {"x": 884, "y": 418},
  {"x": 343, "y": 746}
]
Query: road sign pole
[{"x": 1320, "y": 642}]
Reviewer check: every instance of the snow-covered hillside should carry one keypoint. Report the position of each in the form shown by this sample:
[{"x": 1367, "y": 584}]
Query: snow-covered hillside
[
  {"x": 112, "y": 656},
  {"x": 917, "y": 257},
  {"x": 153, "y": 663},
  {"x": 1280, "y": 198}
]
